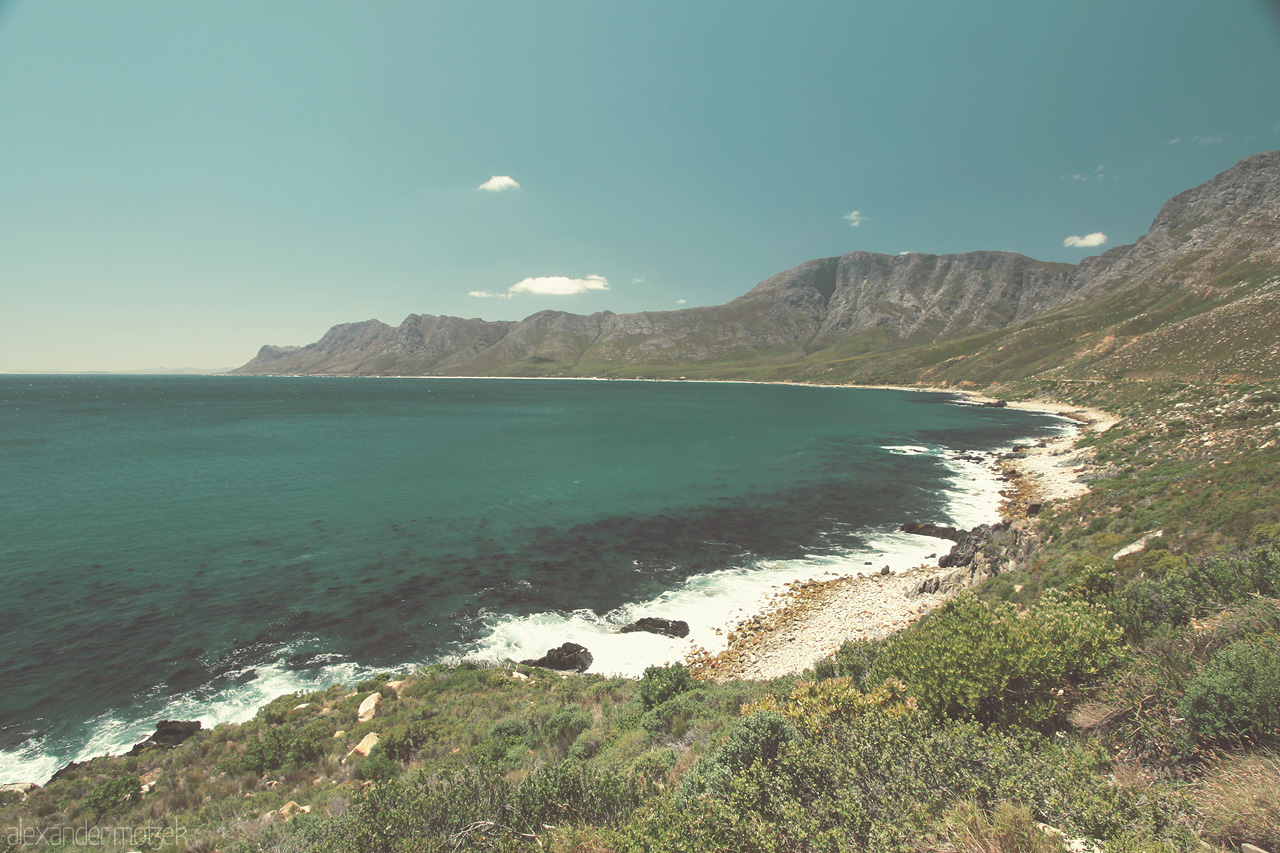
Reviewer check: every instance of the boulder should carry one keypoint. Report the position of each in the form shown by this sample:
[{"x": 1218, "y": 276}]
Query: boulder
[
  {"x": 677, "y": 628},
  {"x": 1034, "y": 509},
  {"x": 291, "y": 808},
  {"x": 364, "y": 747},
  {"x": 969, "y": 543},
  {"x": 19, "y": 788},
  {"x": 369, "y": 708},
  {"x": 569, "y": 657},
  {"x": 935, "y": 530},
  {"x": 994, "y": 404},
  {"x": 168, "y": 733}
]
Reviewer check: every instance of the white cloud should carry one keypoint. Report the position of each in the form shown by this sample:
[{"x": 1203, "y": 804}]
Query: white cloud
[
  {"x": 498, "y": 183},
  {"x": 637, "y": 281},
  {"x": 855, "y": 218},
  {"x": 559, "y": 285},
  {"x": 550, "y": 285},
  {"x": 1206, "y": 140},
  {"x": 681, "y": 301},
  {"x": 1097, "y": 238}
]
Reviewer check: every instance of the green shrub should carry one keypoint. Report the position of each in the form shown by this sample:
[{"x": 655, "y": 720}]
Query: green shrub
[
  {"x": 402, "y": 742},
  {"x": 113, "y": 795},
  {"x": 1237, "y": 696},
  {"x": 278, "y": 746},
  {"x": 853, "y": 660},
  {"x": 586, "y": 745},
  {"x": 755, "y": 738},
  {"x": 565, "y": 724},
  {"x": 378, "y": 767},
  {"x": 673, "y": 716},
  {"x": 660, "y": 683},
  {"x": 972, "y": 659}
]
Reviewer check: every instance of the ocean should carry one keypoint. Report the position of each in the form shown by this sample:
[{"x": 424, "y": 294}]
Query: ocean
[{"x": 189, "y": 547}]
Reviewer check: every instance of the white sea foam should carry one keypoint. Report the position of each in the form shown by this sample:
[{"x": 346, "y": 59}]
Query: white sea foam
[
  {"x": 716, "y": 600},
  {"x": 719, "y": 600},
  {"x": 115, "y": 732}
]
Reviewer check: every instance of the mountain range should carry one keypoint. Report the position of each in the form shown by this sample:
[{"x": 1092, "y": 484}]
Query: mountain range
[{"x": 1198, "y": 296}]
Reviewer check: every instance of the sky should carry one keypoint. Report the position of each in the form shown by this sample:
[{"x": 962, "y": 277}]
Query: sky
[{"x": 182, "y": 182}]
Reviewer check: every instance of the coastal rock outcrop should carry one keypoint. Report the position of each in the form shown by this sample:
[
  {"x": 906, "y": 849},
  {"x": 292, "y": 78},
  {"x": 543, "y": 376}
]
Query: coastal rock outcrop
[
  {"x": 966, "y": 547},
  {"x": 935, "y": 530},
  {"x": 676, "y": 628},
  {"x": 364, "y": 747},
  {"x": 369, "y": 708},
  {"x": 168, "y": 733},
  {"x": 569, "y": 657}
]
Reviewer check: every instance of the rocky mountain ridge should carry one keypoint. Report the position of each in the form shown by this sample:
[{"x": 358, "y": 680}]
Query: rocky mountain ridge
[{"x": 865, "y": 315}]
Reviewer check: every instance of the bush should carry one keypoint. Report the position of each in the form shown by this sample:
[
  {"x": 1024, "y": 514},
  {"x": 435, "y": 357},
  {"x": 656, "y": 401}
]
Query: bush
[
  {"x": 976, "y": 660},
  {"x": 755, "y": 738},
  {"x": 378, "y": 767},
  {"x": 402, "y": 742},
  {"x": 673, "y": 716},
  {"x": 277, "y": 747},
  {"x": 1237, "y": 696},
  {"x": 565, "y": 724},
  {"x": 660, "y": 683},
  {"x": 113, "y": 795}
]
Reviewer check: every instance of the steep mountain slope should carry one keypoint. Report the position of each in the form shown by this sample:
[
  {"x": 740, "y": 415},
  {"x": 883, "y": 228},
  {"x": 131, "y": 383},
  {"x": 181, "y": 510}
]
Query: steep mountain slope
[{"x": 1196, "y": 293}]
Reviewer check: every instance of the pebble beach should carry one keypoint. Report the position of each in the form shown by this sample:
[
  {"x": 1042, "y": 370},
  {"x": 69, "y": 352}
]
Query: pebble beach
[{"x": 810, "y": 620}]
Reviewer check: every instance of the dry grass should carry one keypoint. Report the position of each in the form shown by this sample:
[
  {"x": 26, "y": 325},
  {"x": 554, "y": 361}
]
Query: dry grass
[
  {"x": 1239, "y": 800},
  {"x": 1009, "y": 828}
]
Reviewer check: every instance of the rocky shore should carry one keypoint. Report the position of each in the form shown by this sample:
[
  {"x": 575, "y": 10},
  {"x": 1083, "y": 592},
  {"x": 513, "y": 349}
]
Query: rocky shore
[{"x": 810, "y": 620}]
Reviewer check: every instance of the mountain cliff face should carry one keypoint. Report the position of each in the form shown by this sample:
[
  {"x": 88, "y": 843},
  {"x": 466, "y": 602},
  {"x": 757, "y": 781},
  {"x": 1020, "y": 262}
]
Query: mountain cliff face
[{"x": 873, "y": 316}]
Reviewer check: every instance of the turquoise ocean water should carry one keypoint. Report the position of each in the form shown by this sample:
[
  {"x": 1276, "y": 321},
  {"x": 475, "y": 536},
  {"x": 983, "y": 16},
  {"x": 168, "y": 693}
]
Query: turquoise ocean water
[{"x": 190, "y": 547}]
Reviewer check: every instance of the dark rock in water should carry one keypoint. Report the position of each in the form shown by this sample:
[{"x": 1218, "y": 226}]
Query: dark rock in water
[
  {"x": 885, "y": 570},
  {"x": 654, "y": 625},
  {"x": 569, "y": 657},
  {"x": 168, "y": 733},
  {"x": 994, "y": 404},
  {"x": 966, "y": 547},
  {"x": 934, "y": 530},
  {"x": 1034, "y": 509},
  {"x": 64, "y": 772}
]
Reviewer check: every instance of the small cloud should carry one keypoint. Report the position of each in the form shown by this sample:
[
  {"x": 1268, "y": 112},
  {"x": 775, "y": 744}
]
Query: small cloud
[
  {"x": 551, "y": 285},
  {"x": 855, "y": 218},
  {"x": 558, "y": 285},
  {"x": 681, "y": 301},
  {"x": 1206, "y": 140},
  {"x": 1175, "y": 140},
  {"x": 1097, "y": 238},
  {"x": 498, "y": 183},
  {"x": 637, "y": 281}
]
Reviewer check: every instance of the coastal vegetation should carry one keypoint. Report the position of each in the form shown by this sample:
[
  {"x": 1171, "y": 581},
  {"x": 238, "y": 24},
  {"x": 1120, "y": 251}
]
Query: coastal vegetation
[{"x": 1128, "y": 700}]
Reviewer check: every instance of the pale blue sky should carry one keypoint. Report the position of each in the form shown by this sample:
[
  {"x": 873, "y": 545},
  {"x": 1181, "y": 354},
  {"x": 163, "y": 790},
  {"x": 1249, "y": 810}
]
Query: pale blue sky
[{"x": 182, "y": 182}]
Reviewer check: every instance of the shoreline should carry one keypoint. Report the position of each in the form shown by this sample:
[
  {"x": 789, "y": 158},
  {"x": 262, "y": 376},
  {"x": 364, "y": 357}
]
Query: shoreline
[
  {"x": 812, "y": 620},
  {"x": 805, "y": 619}
]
